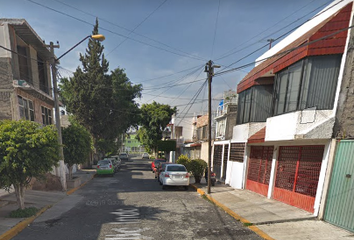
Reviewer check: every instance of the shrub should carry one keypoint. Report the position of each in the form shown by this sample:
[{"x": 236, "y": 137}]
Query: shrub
[
  {"x": 184, "y": 160},
  {"x": 197, "y": 167},
  {"x": 23, "y": 213}
]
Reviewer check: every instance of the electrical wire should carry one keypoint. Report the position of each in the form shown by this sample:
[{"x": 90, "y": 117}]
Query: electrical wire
[
  {"x": 231, "y": 52},
  {"x": 215, "y": 28},
  {"x": 115, "y": 48},
  {"x": 115, "y": 33},
  {"x": 285, "y": 52},
  {"x": 126, "y": 29}
]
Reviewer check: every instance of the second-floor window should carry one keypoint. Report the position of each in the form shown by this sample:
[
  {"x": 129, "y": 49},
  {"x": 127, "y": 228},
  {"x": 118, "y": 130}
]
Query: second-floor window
[
  {"x": 46, "y": 116},
  {"x": 309, "y": 83},
  {"x": 42, "y": 74},
  {"x": 26, "y": 108},
  {"x": 23, "y": 62},
  {"x": 254, "y": 104}
]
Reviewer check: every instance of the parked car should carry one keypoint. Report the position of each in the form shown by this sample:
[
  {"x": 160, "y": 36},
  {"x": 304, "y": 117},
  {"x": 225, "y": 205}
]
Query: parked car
[
  {"x": 155, "y": 162},
  {"x": 145, "y": 155},
  {"x": 174, "y": 175},
  {"x": 105, "y": 167},
  {"x": 159, "y": 168},
  {"x": 124, "y": 156},
  {"x": 116, "y": 162}
]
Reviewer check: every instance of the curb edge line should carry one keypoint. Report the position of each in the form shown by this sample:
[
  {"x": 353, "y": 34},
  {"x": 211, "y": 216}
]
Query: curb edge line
[
  {"x": 253, "y": 228},
  {"x": 22, "y": 225}
]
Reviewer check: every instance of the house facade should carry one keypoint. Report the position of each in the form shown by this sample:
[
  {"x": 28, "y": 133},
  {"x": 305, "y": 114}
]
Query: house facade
[
  {"x": 225, "y": 120},
  {"x": 288, "y": 107},
  {"x": 25, "y": 81}
]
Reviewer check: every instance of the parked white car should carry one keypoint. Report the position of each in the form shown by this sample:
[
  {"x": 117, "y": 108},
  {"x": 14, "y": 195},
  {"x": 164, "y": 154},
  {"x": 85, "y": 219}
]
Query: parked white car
[{"x": 174, "y": 175}]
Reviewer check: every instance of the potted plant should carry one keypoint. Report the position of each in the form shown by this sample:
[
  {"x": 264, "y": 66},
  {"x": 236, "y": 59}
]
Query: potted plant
[{"x": 197, "y": 168}]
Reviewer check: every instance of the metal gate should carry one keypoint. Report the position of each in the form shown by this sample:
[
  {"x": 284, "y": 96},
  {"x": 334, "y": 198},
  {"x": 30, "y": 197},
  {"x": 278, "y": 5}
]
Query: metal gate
[
  {"x": 298, "y": 171},
  {"x": 224, "y": 166},
  {"x": 217, "y": 160},
  {"x": 259, "y": 168},
  {"x": 340, "y": 204}
]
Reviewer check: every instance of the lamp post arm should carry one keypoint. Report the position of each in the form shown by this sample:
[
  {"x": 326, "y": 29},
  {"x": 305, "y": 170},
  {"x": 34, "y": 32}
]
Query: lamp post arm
[{"x": 73, "y": 47}]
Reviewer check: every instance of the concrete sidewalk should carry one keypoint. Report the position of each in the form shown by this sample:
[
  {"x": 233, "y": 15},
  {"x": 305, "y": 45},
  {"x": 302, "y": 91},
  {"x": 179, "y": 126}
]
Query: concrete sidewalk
[
  {"x": 39, "y": 199},
  {"x": 269, "y": 218}
]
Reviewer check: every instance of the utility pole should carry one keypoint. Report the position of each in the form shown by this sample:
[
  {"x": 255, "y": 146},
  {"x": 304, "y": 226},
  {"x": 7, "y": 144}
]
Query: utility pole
[
  {"x": 62, "y": 171},
  {"x": 209, "y": 68},
  {"x": 271, "y": 40}
]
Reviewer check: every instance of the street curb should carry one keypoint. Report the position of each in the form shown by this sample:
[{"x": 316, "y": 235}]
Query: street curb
[
  {"x": 22, "y": 225},
  {"x": 71, "y": 191},
  {"x": 234, "y": 215}
]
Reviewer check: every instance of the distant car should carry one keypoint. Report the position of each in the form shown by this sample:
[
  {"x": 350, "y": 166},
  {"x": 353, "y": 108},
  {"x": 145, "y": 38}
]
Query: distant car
[
  {"x": 159, "y": 168},
  {"x": 174, "y": 175},
  {"x": 124, "y": 157},
  {"x": 155, "y": 162},
  {"x": 116, "y": 162},
  {"x": 105, "y": 167},
  {"x": 145, "y": 155}
]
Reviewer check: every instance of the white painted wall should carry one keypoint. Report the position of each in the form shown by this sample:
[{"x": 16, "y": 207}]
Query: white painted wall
[
  {"x": 234, "y": 174},
  {"x": 288, "y": 126},
  {"x": 242, "y": 132}
]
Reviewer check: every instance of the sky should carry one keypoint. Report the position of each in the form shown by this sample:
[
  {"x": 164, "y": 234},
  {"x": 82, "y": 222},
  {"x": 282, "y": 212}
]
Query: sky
[{"x": 165, "y": 44}]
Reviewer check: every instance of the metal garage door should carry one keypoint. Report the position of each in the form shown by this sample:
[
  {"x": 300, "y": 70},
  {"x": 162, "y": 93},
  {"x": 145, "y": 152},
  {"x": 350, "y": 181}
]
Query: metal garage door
[
  {"x": 298, "y": 171},
  {"x": 340, "y": 204},
  {"x": 259, "y": 168},
  {"x": 224, "y": 165}
]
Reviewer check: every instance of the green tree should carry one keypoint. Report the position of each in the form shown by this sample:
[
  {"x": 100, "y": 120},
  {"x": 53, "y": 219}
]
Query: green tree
[
  {"x": 77, "y": 145},
  {"x": 154, "y": 118},
  {"x": 26, "y": 150},
  {"x": 104, "y": 103}
]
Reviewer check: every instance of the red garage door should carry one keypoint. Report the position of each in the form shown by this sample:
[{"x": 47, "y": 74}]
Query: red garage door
[
  {"x": 259, "y": 167},
  {"x": 298, "y": 171}
]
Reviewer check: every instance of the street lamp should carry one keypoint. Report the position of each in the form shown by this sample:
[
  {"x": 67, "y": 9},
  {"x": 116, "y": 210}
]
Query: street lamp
[{"x": 54, "y": 63}]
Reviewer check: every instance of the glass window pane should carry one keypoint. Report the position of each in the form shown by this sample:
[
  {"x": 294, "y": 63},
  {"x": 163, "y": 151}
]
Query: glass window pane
[
  {"x": 20, "y": 100},
  {"x": 281, "y": 92},
  {"x": 293, "y": 90}
]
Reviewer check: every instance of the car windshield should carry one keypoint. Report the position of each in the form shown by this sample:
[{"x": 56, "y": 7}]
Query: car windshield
[
  {"x": 104, "y": 162},
  {"x": 123, "y": 155},
  {"x": 176, "y": 169}
]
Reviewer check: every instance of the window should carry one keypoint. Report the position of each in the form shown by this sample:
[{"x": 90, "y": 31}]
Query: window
[
  {"x": 26, "y": 108},
  {"x": 310, "y": 82},
  {"x": 46, "y": 116},
  {"x": 254, "y": 104},
  {"x": 42, "y": 74},
  {"x": 23, "y": 62}
]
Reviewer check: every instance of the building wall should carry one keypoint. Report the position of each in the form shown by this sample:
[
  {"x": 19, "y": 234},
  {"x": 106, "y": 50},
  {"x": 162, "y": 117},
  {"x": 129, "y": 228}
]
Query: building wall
[
  {"x": 6, "y": 89},
  {"x": 344, "y": 121}
]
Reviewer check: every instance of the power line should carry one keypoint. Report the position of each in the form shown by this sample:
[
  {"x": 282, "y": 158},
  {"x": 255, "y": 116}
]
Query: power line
[
  {"x": 194, "y": 99},
  {"x": 216, "y": 25},
  {"x": 137, "y": 27},
  {"x": 126, "y": 29},
  {"x": 231, "y": 52},
  {"x": 118, "y": 34},
  {"x": 285, "y": 52}
]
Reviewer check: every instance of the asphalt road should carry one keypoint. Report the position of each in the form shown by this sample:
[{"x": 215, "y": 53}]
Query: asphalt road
[{"x": 132, "y": 205}]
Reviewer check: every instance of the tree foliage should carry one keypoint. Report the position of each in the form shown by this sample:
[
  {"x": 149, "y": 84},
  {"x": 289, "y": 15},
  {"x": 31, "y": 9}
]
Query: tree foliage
[
  {"x": 26, "y": 150},
  {"x": 77, "y": 145},
  {"x": 102, "y": 102},
  {"x": 154, "y": 118}
]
